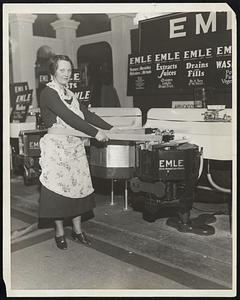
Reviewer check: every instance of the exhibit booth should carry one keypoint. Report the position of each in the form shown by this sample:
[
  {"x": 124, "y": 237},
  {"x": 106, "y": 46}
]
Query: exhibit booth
[{"x": 173, "y": 79}]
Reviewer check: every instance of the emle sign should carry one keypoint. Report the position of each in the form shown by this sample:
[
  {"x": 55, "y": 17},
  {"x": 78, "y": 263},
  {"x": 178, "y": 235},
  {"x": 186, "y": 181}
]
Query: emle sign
[
  {"x": 177, "y": 26},
  {"x": 78, "y": 86},
  {"x": 180, "y": 52},
  {"x": 171, "y": 164}
]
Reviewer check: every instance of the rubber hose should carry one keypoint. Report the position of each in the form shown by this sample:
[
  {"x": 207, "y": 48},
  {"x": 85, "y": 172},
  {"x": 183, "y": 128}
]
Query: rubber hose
[{"x": 217, "y": 187}]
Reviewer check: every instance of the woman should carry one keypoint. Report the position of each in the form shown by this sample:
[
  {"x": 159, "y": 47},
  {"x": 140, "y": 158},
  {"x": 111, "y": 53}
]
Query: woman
[{"x": 66, "y": 190}]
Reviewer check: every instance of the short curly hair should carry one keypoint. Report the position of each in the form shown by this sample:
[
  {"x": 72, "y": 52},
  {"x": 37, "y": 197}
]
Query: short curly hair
[{"x": 53, "y": 63}]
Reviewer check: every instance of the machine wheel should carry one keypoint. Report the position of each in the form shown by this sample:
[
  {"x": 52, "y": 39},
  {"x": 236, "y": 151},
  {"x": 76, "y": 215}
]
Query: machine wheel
[
  {"x": 136, "y": 201},
  {"x": 150, "y": 208}
]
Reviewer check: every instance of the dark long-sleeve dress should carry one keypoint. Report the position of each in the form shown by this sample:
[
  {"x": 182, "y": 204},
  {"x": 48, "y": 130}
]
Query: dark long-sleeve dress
[{"x": 66, "y": 189}]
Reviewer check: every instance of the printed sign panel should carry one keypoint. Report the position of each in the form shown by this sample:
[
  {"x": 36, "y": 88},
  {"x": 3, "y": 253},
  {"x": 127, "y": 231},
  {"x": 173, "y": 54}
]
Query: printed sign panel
[
  {"x": 16, "y": 88},
  {"x": 20, "y": 109},
  {"x": 183, "y": 104},
  {"x": 43, "y": 77},
  {"x": 182, "y": 51},
  {"x": 78, "y": 84}
]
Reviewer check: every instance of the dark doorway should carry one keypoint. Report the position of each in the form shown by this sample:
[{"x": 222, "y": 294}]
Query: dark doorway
[{"x": 97, "y": 58}]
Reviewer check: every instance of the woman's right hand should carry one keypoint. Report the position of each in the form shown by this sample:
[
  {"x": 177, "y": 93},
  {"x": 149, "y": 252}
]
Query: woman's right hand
[{"x": 101, "y": 136}]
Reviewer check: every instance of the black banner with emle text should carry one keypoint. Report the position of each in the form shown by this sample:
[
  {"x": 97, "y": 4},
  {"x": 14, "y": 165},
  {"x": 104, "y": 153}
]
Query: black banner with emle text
[{"x": 181, "y": 51}]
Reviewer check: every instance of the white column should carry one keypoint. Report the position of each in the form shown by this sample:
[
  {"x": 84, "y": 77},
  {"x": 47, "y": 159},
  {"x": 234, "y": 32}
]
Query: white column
[
  {"x": 66, "y": 31},
  {"x": 121, "y": 47},
  {"x": 23, "y": 56}
]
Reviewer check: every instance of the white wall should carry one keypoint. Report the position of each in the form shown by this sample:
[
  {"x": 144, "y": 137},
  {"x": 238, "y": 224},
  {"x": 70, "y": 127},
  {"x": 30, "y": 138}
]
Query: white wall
[{"x": 55, "y": 44}]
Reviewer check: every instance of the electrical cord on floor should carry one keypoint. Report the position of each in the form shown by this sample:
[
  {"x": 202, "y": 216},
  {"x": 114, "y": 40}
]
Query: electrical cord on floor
[{"x": 210, "y": 211}]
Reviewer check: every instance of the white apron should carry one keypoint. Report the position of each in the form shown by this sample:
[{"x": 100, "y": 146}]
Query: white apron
[{"x": 63, "y": 160}]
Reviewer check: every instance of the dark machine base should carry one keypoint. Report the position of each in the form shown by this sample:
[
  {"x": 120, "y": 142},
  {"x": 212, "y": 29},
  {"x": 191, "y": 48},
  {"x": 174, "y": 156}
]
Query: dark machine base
[{"x": 194, "y": 226}]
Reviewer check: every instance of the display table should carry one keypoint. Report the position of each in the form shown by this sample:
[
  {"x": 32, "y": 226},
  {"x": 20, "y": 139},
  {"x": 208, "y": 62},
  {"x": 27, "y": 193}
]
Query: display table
[{"x": 214, "y": 137}]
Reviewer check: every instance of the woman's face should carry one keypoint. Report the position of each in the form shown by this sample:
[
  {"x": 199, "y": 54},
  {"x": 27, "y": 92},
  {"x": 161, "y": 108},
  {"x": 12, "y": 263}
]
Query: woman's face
[{"x": 63, "y": 72}]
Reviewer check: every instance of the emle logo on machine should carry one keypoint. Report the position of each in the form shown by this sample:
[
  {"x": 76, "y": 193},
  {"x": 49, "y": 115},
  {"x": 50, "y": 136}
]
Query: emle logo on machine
[
  {"x": 34, "y": 145},
  {"x": 171, "y": 164}
]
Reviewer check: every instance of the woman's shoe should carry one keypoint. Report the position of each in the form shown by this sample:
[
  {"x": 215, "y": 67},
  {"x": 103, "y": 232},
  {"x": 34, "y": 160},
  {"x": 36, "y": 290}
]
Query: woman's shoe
[
  {"x": 81, "y": 237},
  {"x": 61, "y": 242}
]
